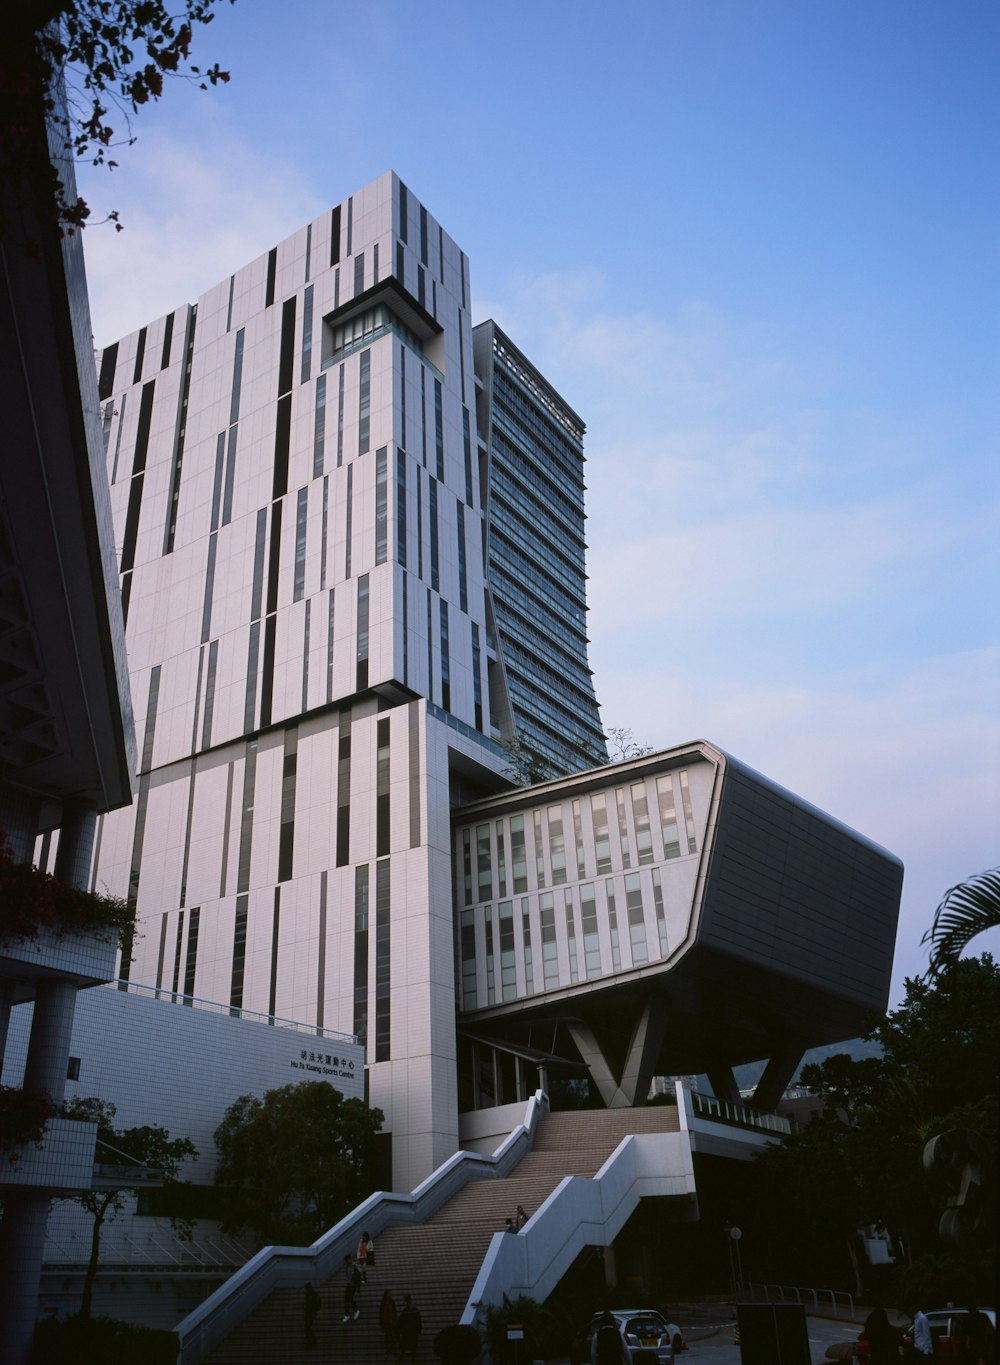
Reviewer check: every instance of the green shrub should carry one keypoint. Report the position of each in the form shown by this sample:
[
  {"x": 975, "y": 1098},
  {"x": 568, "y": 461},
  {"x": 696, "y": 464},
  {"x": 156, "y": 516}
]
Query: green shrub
[{"x": 101, "y": 1341}]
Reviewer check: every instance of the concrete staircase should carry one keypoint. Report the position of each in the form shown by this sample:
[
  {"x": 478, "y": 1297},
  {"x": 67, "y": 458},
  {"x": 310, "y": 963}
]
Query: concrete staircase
[{"x": 436, "y": 1262}]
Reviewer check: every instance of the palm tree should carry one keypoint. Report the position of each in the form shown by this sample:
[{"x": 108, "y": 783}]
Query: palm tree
[{"x": 965, "y": 910}]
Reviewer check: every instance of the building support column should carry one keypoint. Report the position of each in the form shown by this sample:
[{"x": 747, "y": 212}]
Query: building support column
[
  {"x": 632, "y": 1087},
  {"x": 723, "y": 1084},
  {"x": 6, "y": 1004},
  {"x": 22, "y": 1246},
  {"x": 51, "y": 1031},
  {"x": 594, "y": 1060},
  {"x": 76, "y": 843},
  {"x": 777, "y": 1074}
]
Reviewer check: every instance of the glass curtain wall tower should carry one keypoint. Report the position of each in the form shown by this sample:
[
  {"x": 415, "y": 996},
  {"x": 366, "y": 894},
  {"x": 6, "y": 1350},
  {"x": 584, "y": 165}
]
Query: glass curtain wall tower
[{"x": 536, "y": 569}]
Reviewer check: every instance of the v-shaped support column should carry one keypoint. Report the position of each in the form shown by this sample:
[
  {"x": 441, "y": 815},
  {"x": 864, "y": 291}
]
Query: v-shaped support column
[
  {"x": 774, "y": 1082},
  {"x": 632, "y": 1087}
]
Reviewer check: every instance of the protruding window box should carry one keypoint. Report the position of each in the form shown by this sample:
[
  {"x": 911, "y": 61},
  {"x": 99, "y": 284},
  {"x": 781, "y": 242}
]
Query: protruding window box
[
  {"x": 64, "y": 1161},
  {"x": 87, "y": 958}
]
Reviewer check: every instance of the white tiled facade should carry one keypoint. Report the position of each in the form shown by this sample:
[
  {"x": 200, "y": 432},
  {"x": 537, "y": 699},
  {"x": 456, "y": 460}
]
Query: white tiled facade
[{"x": 295, "y": 481}]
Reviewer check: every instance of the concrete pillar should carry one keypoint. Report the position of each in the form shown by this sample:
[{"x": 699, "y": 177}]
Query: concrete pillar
[
  {"x": 6, "y": 1003},
  {"x": 777, "y": 1074},
  {"x": 22, "y": 1245},
  {"x": 723, "y": 1083},
  {"x": 76, "y": 843},
  {"x": 51, "y": 1029}
]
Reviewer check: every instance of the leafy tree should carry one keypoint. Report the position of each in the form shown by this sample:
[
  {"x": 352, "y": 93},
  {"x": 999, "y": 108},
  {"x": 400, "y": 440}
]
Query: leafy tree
[
  {"x": 862, "y": 1161},
  {"x": 147, "y": 1146},
  {"x": 296, "y": 1161},
  {"x": 114, "y": 56},
  {"x": 965, "y": 911},
  {"x": 525, "y": 766}
]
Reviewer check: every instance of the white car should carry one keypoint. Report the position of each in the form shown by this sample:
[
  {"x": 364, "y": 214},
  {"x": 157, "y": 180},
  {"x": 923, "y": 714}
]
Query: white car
[
  {"x": 946, "y": 1329},
  {"x": 643, "y": 1329}
]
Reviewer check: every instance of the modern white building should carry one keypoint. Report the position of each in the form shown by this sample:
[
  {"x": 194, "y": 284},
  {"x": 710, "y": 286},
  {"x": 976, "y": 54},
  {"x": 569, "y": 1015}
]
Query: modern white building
[{"x": 350, "y": 536}]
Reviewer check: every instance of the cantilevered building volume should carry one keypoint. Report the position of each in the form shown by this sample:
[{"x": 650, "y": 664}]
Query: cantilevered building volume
[{"x": 352, "y": 562}]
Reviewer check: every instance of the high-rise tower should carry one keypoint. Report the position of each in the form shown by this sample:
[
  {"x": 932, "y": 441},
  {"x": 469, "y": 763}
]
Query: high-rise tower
[
  {"x": 300, "y": 512},
  {"x": 536, "y": 557}
]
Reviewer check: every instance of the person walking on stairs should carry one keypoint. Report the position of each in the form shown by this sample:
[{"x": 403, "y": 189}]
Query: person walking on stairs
[
  {"x": 408, "y": 1329},
  {"x": 352, "y": 1283},
  {"x": 310, "y": 1310},
  {"x": 387, "y": 1320}
]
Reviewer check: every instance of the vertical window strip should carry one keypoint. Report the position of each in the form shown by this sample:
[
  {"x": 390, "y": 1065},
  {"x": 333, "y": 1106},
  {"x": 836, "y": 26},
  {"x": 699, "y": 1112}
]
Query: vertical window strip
[
  {"x": 364, "y": 402},
  {"x": 400, "y": 271},
  {"x": 340, "y": 417},
  {"x": 350, "y": 227},
  {"x": 141, "y": 807},
  {"x": 581, "y": 857},
  {"x": 602, "y": 840},
  {"x": 330, "y": 619},
  {"x": 405, "y": 610},
  {"x": 468, "y": 978},
  {"x": 668, "y": 816},
  {"x": 194, "y": 726},
  {"x": 246, "y": 818},
  {"x": 305, "y": 655},
  {"x": 348, "y": 520},
  {"x": 360, "y": 1021},
  {"x": 435, "y": 558},
  {"x": 206, "y": 606},
  {"x": 550, "y": 946},
  {"x": 467, "y": 865},
  {"x": 484, "y": 867},
  {"x": 213, "y": 664},
  {"x": 282, "y": 440},
  {"x": 220, "y": 464},
  {"x": 477, "y": 677},
  {"x": 173, "y": 497},
  {"x": 423, "y": 234},
  {"x": 161, "y": 955},
  {"x": 319, "y": 426},
  {"x": 362, "y": 633},
  {"x": 359, "y": 273},
  {"x": 383, "y": 979},
  {"x": 439, "y": 428},
  {"x": 191, "y": 959},
  {"x": 175, "y": 981},
  {"x": 335, "y": 235},
  {"x": 591, "y": 934},
  {"x": 421, "y": 286},
  {"x": 420, "y": 522},
  {"x": 661, "y": 916},
  {"x": 226, "y": 821},
  {"x": 301, "y": 521},
  {"x": 324, "y": 532},
  {"x": 305, "y": 371},
  {"x": 321, "y": 950},
  {"x": 441, "y": 252},
  {"x": 623, "y": 838},
  {"x": 227, "y": 501},
  {"x": 118, "y": 435},
  {"x": 272, "y": 995},
  {"x": 272, "y": 270},
  {"x": 640, "y": 818},
  {"x": 106, "y": 376},
  {"x": 286, "y": 831},
  {"x": 229, "y": 309},
  {"x": 463, "y": 580},
  {"x": 381, "y": 505},
  {"x": 692, "y": 843},
  {"x": 237, "y": 388},
  {"x": 168, "y": 336},
  {"x": 539, "y": 849},
  {"x": 574, "y": 971},
  {"x": 404, "y": 212},
  {"x": 616, "y": 953},
  {"x": 518, "y": 853},
  {"x": 508, "y": 960},
  {"x": 557, "y": 845},
  {"x": 239, "y": 955},
  {"x": 423, "y": 415},
  {"x": 286, "y": 347},
  {"x": 491, "y": 984},
  {"x": 309, "y": 245},
  {"x": 138, "y": 471},
  {"x": 636, "y": 919},
  {"x": 467, "y": 442},
  {"x": 501, "y": 860},
  {"x": 401, "y": 517},
  {"x": 430, "y": 650},
  {"x": 382, "y": 775},
  {"x": 416, "y": 787},
  {"x": 445, "y": 659},
  {"x": 253, "y": 659},
  {"x": 140, "y": 355},
  {"x": 402, "y": 397},
  {"x": 529, "y": 976}
]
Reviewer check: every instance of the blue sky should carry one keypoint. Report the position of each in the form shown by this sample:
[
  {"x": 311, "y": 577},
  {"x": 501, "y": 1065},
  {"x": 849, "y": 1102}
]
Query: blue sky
[{"x": 757, "y": 247}]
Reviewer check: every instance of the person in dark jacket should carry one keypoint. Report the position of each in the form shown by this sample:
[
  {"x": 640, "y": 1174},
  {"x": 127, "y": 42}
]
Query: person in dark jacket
[{"x": 408, "y": 1329}]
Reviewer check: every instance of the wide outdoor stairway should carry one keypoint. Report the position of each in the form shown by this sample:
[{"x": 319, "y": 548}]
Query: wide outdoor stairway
[{"x": 438, "y": 1261}]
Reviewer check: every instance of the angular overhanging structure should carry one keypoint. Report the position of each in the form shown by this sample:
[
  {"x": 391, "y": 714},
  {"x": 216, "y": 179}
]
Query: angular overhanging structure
[{"x": 677, "y": 913}]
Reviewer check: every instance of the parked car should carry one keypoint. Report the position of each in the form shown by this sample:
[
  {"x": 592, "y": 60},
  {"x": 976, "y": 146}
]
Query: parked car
[
  {"x": 645, "y": 1331},
  {"x": 945, "y": 1324}
]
